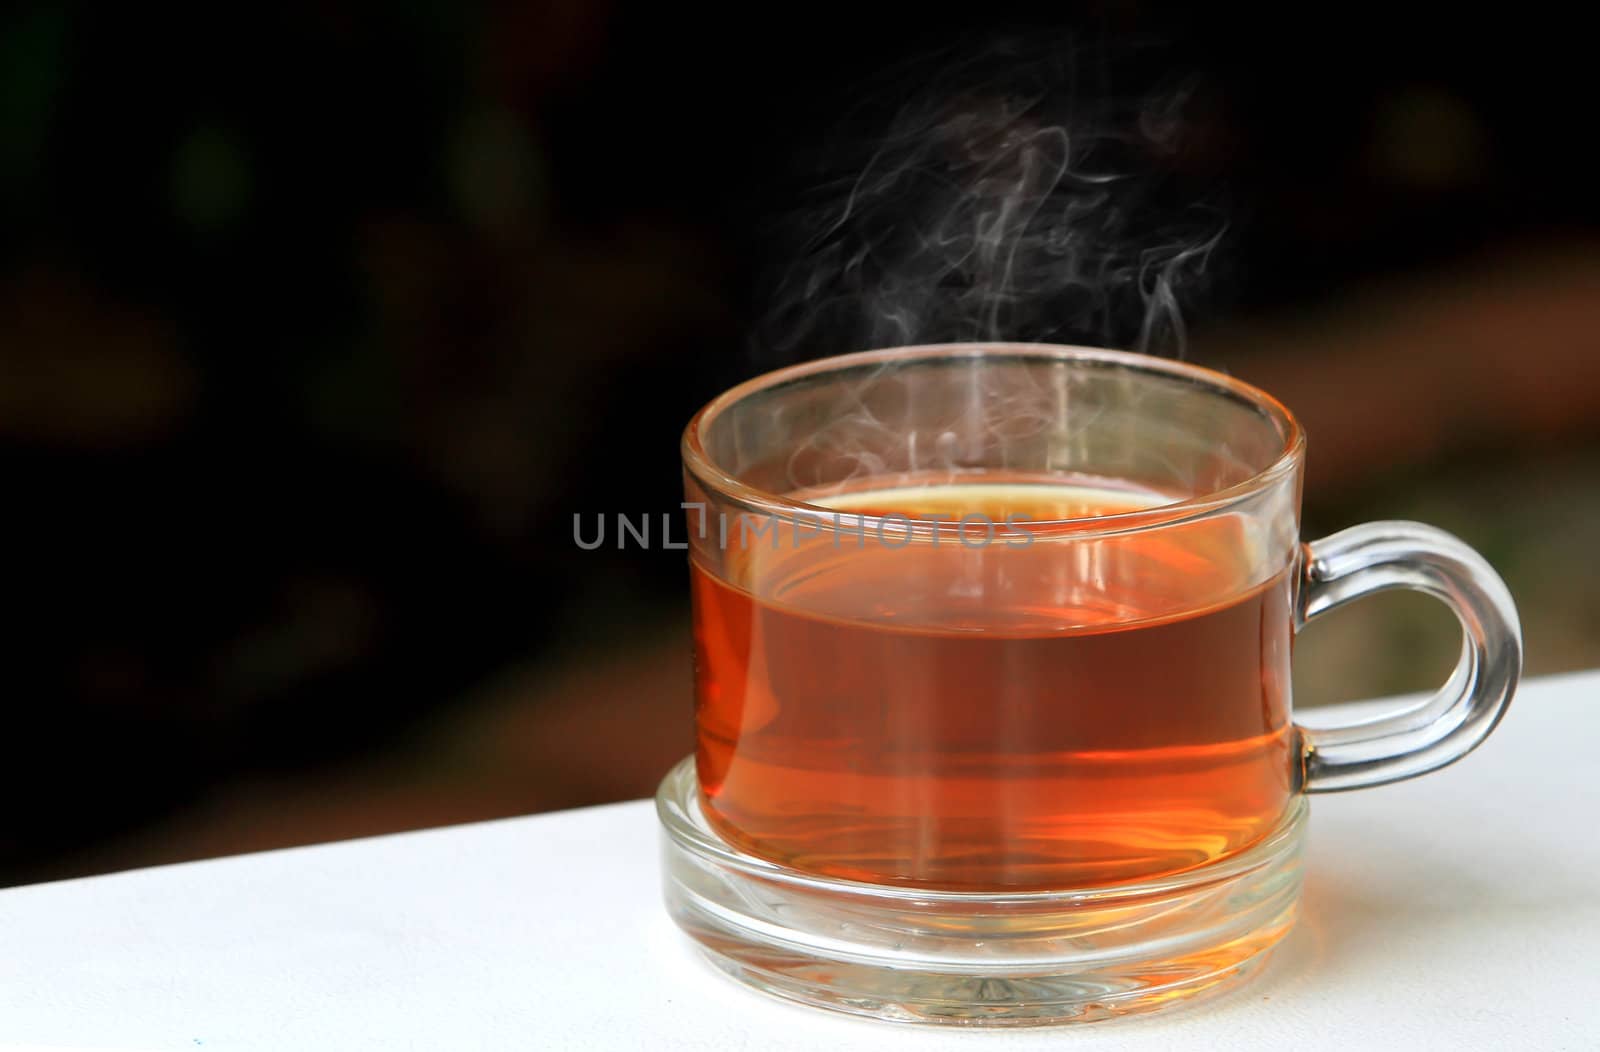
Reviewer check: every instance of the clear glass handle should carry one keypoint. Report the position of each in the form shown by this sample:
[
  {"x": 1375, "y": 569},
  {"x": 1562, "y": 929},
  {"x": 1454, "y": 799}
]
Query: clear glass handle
[{"x": 1381, "y": 555}]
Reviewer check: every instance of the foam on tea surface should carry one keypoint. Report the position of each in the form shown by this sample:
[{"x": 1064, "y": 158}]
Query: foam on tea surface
[{"x": 1034, "y": 502}]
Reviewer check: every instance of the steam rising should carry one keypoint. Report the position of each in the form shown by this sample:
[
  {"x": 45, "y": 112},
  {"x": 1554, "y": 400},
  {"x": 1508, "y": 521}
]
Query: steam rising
[{"x": 1014, "y": 197}]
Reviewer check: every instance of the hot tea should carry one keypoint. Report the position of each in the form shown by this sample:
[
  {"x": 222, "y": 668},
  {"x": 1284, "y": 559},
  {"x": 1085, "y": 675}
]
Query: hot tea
[
  {"x": 993, "y": 647},
  {"x": 1007, "y": 710}
]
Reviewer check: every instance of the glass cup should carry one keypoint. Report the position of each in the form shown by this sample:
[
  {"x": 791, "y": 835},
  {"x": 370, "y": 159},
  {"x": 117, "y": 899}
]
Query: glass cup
[{"x": 992, "y": 681}]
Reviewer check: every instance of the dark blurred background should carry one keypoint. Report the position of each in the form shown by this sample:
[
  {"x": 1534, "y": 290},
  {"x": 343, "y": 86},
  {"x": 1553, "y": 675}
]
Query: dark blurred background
[{"x": 319, "y": 322}]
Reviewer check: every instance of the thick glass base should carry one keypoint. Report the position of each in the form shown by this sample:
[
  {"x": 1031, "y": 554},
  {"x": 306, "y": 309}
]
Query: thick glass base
[{"x": 975, "y": 958}]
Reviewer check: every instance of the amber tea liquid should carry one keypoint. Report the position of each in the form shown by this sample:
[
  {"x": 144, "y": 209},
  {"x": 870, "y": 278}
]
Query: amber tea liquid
[{"x": 1001, "y": 717}]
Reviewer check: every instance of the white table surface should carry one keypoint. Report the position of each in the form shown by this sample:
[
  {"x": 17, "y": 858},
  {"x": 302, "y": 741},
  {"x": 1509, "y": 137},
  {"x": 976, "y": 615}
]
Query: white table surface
[{"x": 1456, "y": 911}]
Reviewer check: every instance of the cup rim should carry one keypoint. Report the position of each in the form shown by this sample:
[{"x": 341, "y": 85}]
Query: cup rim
[{"x": 697, "y": 461}]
